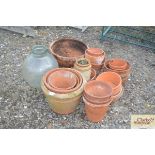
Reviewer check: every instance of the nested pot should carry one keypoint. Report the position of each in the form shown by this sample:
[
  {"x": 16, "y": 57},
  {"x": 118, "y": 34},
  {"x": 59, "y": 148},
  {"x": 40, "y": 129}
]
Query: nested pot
[
  {"x": 48, "y": 81},
  {"x": 63, "y": 103},
  {"x": 67, "y": 50},
  {"x": 96, "y": 112},
  {"x": 114, "y": 79},
  {"x": 118, "y": 64},
  {"x": 123, "y": 73},
  {"x": 84, "y": 67},
  {"x": 96, "y": 57},
  {"x": 97, "y": 91}
]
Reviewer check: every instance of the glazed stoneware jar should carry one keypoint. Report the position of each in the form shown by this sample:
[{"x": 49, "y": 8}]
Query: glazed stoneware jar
[
  {"x": 84, "y": 67},
  {"x": 62, "y": 100},
  {"x": 36, "y": 64}
]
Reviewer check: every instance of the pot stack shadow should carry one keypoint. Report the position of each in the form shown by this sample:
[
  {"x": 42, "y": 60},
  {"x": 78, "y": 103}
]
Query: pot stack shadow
[{"x": 97, "y": 97}]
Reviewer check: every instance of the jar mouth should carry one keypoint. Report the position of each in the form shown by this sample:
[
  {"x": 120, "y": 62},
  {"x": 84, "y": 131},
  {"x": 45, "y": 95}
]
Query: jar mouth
[{"x": 39, "y": 50}]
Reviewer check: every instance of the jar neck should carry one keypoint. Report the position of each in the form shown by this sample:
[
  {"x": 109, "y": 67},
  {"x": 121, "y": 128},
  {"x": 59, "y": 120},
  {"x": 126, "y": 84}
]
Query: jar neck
[{"x": 39, "y": 50}]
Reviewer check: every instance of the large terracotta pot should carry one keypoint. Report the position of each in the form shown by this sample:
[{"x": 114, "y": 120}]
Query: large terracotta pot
[
  {"x": 114, "y": 79},
  {"x": 84, "y": 67},
  {"x": 67, "y": 50},
  {"x": 63, "y": 103},
  {"x": 96, "y": 57},
  {"x": 95, "y": 112}
]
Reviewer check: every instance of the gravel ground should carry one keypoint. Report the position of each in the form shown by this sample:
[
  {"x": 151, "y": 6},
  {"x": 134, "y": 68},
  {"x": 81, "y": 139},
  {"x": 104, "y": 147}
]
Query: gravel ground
[{"x": 24, "y": 107}]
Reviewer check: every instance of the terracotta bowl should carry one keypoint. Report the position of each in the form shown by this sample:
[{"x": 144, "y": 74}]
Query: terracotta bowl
[
  {"x": 118, "y": 64},
  {"x": 63, "y": 91},
  {"x": 97, "y": 91},
  {"x": 66, "y": 51},
  {"x": 62, "y": 79},
  {"x": 114, "y": 79},
  {"x": 93, "y": 74}
]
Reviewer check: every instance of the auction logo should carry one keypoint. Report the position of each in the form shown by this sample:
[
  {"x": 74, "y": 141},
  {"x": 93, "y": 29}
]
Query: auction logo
[{"x": 142, "y": 121}]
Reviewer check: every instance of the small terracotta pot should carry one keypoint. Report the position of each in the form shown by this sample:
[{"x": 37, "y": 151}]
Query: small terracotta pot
[
  {"x": 62, "y": 79},
  {"x": 63, "y": 103},
  {"x": 123, "y": 73},
  {"x": 114, "y": 79},
  {"x": 67, "y": 50},
  {"x": 84, "y": 67},
  {"x": 118, "y": 64},
  {"x": 63, "y": 91},
  {"x": 96, "y": 57},
  {"x": 93, "y": 74},
  {"x": 95, "y": 113},
  {"x": 117, "y": 97},
  {"x": 98, "y": 91}
]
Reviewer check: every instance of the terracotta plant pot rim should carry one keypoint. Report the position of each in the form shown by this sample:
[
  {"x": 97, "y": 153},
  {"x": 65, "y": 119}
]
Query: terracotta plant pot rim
[
  {"x": 74, "y": 83},
  {"x": 121, "y": 91},
  {"x": 128, "y": 68},
  {"x": 116, "y": 74},
  {"x": 117, "y": 67},
  {"x": 63, "y": 57},
  {"x": 77, "y": 62},
  {"x": 106, "y": 96},
  {"x": 96, "y": 105},
  {"x": 60, "y": 95},
  {"x": 96, "y": 101},
  {"x": 79, "y": 76},
  {"x": 95, "y": 54}
]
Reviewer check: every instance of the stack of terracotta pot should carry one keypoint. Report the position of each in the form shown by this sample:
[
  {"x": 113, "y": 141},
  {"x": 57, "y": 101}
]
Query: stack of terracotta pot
[
  {"x": 63, "y": 89},
  {"x": 115, "y": 82},
  {"x": 96, "y": 57},
  {"x": 97, "y": 97},
  {"x": 120, "y": 66}
]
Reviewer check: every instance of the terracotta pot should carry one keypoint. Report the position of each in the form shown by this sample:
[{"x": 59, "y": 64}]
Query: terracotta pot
[
  {"x": 117, "y": 97},
  {"x": 84, "y": 67},
  {"x": 93, "y": 74},
  {"x": 97, "y": 91},
  {"x": 66, "y": 51},
  {"x": 118, "y": 64},
  {"x": 95, "y": 113},
  {"x": 114, "y": 79},
  {"x": 96, "y": 57},
  {"x": 63, "y": 103},
  {"x": 80, "y": 80},
  {"x": 123, "y": 73},
  {"x": 62, "y": 79}
]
